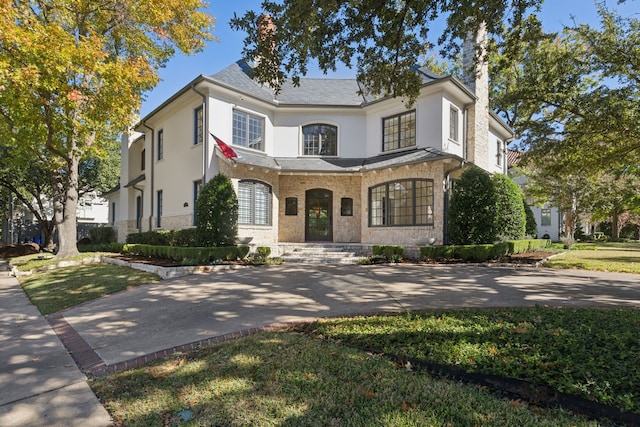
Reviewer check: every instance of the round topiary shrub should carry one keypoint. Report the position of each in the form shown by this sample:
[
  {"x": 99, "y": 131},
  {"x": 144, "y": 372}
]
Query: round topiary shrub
[
  {"x": 472, "y": 210},
  {"x": 510, "y": 216},
  {"x": 217, "y": 213}
]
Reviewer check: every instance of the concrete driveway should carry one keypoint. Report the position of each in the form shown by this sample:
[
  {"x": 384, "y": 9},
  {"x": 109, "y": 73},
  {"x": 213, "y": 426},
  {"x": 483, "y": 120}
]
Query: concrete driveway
[{"x": 150, "y": 319}]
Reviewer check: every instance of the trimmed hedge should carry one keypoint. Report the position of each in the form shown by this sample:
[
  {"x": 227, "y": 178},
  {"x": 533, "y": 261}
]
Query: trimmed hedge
[
  {"x": 184, "y": 237},
  {"x": 199, "y": 255},
  {"x": 390, "y": 252},
  {"x": 479, "y": 253},
  {"x": 103, "y": 247}
]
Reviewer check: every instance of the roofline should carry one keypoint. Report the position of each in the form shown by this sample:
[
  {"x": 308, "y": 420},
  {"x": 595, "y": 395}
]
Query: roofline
[
  {"x": 169, "y": 100},
  {"x": 502, "y": 123}
]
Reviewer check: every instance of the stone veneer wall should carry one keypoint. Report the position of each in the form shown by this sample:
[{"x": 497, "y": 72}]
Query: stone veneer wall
[
  {"x": 405, "y": 235},
  {"x": 346, "y": 229}
]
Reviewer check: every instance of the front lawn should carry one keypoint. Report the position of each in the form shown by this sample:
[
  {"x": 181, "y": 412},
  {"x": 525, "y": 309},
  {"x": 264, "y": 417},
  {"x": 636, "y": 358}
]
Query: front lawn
[
  {"x": 56, "y": 290},
  {"x": 615, "y": 257},
  {"x": 289, "y": 379}
]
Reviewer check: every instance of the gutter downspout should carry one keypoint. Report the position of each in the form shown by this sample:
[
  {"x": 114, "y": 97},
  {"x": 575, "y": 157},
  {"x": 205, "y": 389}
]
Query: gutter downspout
[
  {"x": 153, "y": 134},
  {"x": 205, "y": 123},
  {"x": 447, "y": 189}
]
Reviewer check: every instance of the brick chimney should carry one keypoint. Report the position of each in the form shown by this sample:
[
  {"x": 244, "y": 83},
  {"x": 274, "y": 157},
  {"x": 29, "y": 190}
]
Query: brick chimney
[{"x": 476, "y": 78}]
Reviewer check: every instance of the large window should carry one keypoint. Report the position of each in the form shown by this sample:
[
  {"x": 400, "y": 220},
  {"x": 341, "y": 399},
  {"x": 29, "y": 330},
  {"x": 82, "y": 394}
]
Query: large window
[
  {"x": 403, "y": 202},
  {"x": 198, "y": 126},
  {"x": 248, "y": 130},
  {"x": 399, "y": 131},
  {"x": 498, "y": 152},
  {"x": 320, "y": 140},
  {"x": 453, "y": 124},
  {"x": 254, "y": 203}
]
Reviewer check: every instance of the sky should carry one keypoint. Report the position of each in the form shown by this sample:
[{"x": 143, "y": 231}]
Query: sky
[{"x": 182, "y": 69}]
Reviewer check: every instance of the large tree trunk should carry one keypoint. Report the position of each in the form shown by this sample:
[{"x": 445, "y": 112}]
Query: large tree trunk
[
  {"x": 615, "y": 224},
  {"x": 65, "y": 211}
]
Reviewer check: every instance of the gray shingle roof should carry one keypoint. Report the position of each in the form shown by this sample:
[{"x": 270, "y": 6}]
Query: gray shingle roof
[
  {"x": 311, "y": 91},
  {"x": 338, "y": 165}
]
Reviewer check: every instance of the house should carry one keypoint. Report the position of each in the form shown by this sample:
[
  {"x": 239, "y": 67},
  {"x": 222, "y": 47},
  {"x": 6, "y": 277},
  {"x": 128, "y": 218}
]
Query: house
[
  {"x": 315, "y": 163},
  {"x": 549, "y": 218}
]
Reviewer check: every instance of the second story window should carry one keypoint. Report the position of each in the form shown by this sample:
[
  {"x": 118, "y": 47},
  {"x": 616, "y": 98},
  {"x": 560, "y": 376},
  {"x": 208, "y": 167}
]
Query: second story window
[
  {"x": 499, "y": 152},
  {"x": 453, "y": 124},
  {"x": 248, "y": 130},
  {"x": 160, "y": 144},
  {"x": 399, "y": 131},
  {"x": 143, "y": 159},
  {"x": 320, "y": 140},
  {"x": 198, "y": 126}
]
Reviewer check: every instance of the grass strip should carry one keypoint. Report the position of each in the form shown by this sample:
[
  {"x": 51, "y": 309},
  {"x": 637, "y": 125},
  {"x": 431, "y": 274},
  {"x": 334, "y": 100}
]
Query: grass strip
[
  {"x": 56, "y": 290},
  {"x": 289, "y": 379},
  {"x": 614, "y": 257}
]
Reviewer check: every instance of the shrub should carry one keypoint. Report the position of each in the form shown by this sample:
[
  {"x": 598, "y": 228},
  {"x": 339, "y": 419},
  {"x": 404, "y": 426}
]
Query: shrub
[
  {"x": 531, "y": 226},
  {"x": 184, "y": 237},
  {"x": 389, "y": 252},
  {"x": 263, "y": 251},
  {"x": 103, "y": 247},
  {"x": 510, "y": 215},
  {"x": 217, "y": 213},
  {"x": 472, "y": 218},
  {"x": 100, "y": 235},
  {"x": 197, "y": 255},
  {"x": 159, "y": 238}
]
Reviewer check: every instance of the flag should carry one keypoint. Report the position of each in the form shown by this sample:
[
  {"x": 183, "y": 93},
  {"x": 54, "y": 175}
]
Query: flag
[{"x": 226, "y": 150}]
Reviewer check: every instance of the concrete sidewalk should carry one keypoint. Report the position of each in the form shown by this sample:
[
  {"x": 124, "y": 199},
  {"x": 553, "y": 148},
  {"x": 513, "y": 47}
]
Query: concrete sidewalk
[
  {"x": 133, "y": 327},
  {"x": 40, "y": 385}
]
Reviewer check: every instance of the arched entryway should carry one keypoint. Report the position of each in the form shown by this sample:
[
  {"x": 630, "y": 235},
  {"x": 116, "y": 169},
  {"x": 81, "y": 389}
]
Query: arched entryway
[{"x": 318, "y": 215}]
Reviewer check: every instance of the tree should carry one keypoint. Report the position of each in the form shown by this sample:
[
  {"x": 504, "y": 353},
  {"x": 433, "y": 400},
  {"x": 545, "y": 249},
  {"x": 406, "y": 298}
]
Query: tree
[
  {"x": 472, "y": 211},
  {"x": 572, "y": 97},
  {"x": 72, "y": 74},
  {"x": 217, "y": 213},
  {"x": 614, "y": 194},
  {"x": 384, "y": 39},
  {"x": 531, "y": 226},
  {"x": 510, "y": 215}
]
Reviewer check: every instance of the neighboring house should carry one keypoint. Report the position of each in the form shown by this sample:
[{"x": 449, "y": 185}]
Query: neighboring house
[
  {"x": 548, "y": 218},
  {"x": 314, "y": 163}
]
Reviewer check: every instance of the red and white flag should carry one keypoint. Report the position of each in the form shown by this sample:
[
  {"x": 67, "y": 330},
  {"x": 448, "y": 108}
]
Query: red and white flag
[{"x": 228, "y": 152}]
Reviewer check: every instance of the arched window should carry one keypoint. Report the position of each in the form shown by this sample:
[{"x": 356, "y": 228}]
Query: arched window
[
  {"x": 402, "y": 202},
  {"x": 254, "y": 203},
  {"x": 320, "y": 140}
]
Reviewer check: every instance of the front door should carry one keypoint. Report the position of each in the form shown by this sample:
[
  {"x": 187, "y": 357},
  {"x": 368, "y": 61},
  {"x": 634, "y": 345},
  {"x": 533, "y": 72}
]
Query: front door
[{"x": 318, "y": 215}]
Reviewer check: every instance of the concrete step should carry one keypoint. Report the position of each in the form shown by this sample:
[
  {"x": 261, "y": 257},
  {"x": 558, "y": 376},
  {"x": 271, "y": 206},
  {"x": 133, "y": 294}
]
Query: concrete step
[
  {"x": 320, "y": 255},
  {"x": 296, "y": 259}
]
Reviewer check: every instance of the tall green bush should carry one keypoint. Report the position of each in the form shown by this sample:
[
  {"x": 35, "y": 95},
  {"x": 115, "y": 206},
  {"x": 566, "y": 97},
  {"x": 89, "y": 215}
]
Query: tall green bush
[
  {"x": 102, "y": 235},
  {"x": 531, "y": 227},
  {"x": 217, "y": 213},
  {"x": 511, "y": 220},
  {"x": 472, "y": 211}
]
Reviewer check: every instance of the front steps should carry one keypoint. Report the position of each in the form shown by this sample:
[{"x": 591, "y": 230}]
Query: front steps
[{"x": 321, "y": 254}]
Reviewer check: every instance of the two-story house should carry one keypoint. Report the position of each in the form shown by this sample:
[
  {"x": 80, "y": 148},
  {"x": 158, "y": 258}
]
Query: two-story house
[{"x": 315, "y": 163}]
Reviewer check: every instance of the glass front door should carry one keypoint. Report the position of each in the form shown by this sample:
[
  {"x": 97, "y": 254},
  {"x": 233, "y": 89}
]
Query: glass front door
[{"x": 319, "y": 216}]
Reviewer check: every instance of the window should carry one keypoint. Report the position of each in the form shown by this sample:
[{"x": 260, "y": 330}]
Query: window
[
  {"x": 399, "y": 131},
  {"x": 113, "y": 213},
  {"x": 320, "y": 140},
  {"x": 498, "y": 152},
  {"x": 143, "y": 157},
  {"x": 197, "y": 187},
  {"x": 248, "y": 130},
  {"x": 160, "y": 144},
  {"x": 198, "y": 126},
  {"x": 545, "y": 220},
  {"x": 291, "y": 206},
  {"x": 399, "y": 203},
  {"x": 346, "y": 206},
  {"x": 453, "y": 124},
  {"x": 254, "y": 203},
  {"x": 139, "y": 213},
  {"x": 159, "y": 210}
]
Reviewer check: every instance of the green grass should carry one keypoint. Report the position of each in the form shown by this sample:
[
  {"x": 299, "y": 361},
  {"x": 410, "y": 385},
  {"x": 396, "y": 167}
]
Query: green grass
[
  {"x": 30, "y": 262},
  {"x": 593, "y": 353},
  {"x": 56, "y": 290},
  {"x": 289, "y": 379},
  {"x": 615, "y": 257}
]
